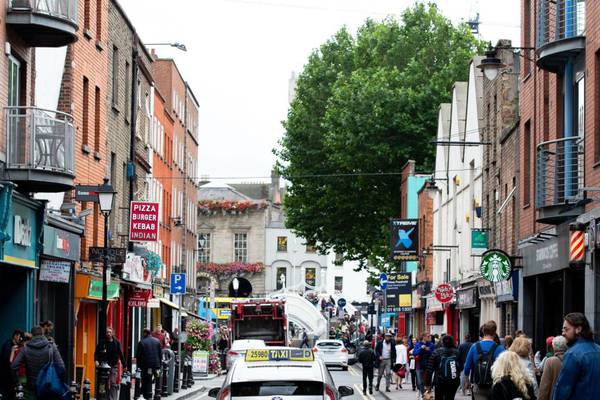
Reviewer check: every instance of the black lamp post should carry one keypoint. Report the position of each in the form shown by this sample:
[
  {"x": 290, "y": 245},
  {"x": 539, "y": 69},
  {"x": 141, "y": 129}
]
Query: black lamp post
[{"x": 106, "y": 195}]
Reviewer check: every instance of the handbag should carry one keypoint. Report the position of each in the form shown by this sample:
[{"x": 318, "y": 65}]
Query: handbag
[
  {"x": 49, "y": 384},
  {"x": 401, "y": 372}
]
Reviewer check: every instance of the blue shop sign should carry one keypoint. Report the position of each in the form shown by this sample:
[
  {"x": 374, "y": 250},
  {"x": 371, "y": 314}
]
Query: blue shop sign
[{"x": 21, "y": 229}]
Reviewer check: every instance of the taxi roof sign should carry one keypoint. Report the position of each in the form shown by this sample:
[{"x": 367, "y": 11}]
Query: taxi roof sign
[{"x": 254, "y": 355}]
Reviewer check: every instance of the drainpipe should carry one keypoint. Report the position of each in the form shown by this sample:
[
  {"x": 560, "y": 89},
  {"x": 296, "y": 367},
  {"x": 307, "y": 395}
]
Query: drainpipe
[
  {"x": 133, "y": 125},
  {"x": 569, "y": 169}
]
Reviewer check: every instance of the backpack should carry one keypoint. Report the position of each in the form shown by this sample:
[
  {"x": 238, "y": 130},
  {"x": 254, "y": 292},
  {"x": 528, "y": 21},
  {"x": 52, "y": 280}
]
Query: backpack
[
  {"x": 448, "y": 368},
  {"x": 49, "y": 384},
  {"x": 482, "y": 372}
]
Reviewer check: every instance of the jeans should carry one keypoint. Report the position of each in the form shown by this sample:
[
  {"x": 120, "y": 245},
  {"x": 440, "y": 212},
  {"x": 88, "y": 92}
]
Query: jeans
[
  {"x": 419, "y": 375},
  {"x": 148, "y": 375},
  {"x": 367, "y": 374},
  {"x": 445, "y": 390},
  {"x": 385, "y": 368},
  {"x": 413, "y": 378}
]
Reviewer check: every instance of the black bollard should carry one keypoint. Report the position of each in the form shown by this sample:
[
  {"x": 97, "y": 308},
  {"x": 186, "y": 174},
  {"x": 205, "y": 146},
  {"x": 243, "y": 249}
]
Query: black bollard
[
  {"x": 19, "y": 392},
  {"x": 164, "y": 377},
  {"x": 184, "y": 378},
  {"x": 86, "y": 389},
  {"x": 176, "y": 379},
  {"x": 190, "y": 376},
  {"x": 125, "y": 391},
  {"x": 102, "y": 386},
  {"x": 137, "y": 392},
  {"x": 74, "y": 389}
]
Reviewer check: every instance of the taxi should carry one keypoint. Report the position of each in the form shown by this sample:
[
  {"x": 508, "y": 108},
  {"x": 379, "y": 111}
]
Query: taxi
[{"x": 279, "y": 373}]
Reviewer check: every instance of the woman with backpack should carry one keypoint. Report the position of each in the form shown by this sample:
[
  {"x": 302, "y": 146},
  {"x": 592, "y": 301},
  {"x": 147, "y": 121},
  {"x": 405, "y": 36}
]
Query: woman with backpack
[
  {"x": 511, "y": 380},
  {"x": 443, "y": 370}
]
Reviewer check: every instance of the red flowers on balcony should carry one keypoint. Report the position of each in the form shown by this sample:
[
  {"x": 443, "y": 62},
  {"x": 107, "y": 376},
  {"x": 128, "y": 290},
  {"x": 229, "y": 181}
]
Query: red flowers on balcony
[
  {"x": 233, "y": 268},
  {"x": 208, "y": 207}
]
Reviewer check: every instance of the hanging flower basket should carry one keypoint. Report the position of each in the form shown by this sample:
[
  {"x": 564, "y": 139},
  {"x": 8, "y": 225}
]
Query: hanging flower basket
[{"x": 233, "y": 268}]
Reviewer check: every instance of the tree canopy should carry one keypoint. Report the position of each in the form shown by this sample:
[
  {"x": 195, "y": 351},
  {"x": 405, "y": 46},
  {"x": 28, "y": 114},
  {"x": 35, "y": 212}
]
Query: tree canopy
[{"x": 364, "y": 105}]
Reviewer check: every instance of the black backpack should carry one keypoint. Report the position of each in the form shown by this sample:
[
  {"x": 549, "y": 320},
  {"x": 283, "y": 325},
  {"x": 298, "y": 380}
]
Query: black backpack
[
  {"x": 482, "y": 373},
  {"x": 448, "y": 368}
]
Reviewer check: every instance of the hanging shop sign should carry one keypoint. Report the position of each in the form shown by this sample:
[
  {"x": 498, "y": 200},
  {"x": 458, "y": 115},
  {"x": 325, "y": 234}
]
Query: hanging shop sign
[
  {"x": 139, "y": 297},
  {"x": 135, "y": 269},
  {"x": 496, "y": 265},
  {"x": 143, "y": 221},
  {"x": 404, "y": 239},
  {"x": 466, "y": 298},
  {"x": 398, "y": 295},
  {"x": 116, "y": 255},
  {"x": 444, "y": 293},
  {"x": 61, "y": 244},
  {"x": 55, "y": 271},
  {"x": 479, "y": 239}
]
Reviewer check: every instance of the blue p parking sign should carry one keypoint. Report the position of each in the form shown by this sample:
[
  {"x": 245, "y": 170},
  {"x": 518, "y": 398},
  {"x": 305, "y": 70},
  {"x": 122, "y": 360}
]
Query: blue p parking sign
[{"x": 178, "y": 283}]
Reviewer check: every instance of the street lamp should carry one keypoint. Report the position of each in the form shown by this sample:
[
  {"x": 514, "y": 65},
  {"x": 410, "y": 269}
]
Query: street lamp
[
  {"x": 106, "y": 195},
  {"x": 431, "y": 188},
  {"x": 178, "y": 46},
  {"x": 491, "y": 64},
  {"x": 236, "y": 285}
]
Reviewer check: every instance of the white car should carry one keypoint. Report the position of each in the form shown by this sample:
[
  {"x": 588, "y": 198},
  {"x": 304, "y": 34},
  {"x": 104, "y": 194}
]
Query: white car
[
  {"x": 277, "y": 373},
  {"x": 239, "y": 347},
  {"x": 332, "y": 352}
]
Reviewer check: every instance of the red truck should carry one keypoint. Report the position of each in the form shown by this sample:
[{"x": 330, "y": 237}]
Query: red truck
[{"x": 259, "y": 319}]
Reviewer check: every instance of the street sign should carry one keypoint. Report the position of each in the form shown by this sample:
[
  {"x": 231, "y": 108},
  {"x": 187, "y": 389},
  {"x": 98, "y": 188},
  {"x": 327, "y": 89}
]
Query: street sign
[
  {"x": 143, "y": 221},
  {"x": 87, "y": 193},
  {"x": 116, "y": 255},
  {"x": 383, "y": 280},
  {"x": 341, "y": 302},
  {"x": 178, "y": 283}
]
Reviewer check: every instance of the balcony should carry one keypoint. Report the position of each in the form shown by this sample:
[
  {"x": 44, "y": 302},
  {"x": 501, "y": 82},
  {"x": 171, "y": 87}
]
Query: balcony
[
  {"x": 559, "y": 180},
  {"x": 44, "y": 23},
  {"x": 39, "y": 143},
  {"x": 560, "y": 32}
]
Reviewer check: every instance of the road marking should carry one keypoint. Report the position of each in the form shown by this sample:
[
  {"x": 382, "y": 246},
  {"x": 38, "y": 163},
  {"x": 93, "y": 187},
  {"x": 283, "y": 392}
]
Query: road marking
[
  {"x": 358, "y": 390},
  {"x": 353, "y": 371},
  {"x": 201, "y": 395}
]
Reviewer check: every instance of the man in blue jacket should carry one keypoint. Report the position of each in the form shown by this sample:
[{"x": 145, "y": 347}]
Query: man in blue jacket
[
  {"x": 480, "y": 358},
  {"x": 579, "y": 376},
  {"x": 422, "y": 352}
]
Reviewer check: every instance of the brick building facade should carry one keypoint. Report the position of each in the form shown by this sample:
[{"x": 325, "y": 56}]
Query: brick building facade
[{"x": 425, "y": 264}]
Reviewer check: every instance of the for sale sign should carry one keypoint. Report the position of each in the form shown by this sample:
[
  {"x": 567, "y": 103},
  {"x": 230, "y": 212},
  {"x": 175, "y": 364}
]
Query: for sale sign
[{"x": 143, "y": 221}]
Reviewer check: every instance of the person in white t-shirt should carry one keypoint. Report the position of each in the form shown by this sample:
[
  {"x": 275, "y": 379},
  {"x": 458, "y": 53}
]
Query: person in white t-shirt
[{"x": 401, "y": 365}]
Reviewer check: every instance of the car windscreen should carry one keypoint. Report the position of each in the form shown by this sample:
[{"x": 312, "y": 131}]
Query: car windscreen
[
  {"x": 329, "y": 345},
  {"x": 277, "y": 388}
]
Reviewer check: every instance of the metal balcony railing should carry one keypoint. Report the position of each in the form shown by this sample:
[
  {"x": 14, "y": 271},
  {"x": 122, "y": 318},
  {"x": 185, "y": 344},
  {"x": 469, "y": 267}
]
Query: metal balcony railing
[
  {"x": 559, "y": 19},
  {"x": 39, "y": 139},
  {"x": 559, "y": 172},
  {"x": 61, "y": 9}
]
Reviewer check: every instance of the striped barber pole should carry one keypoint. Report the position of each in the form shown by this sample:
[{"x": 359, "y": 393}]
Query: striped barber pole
[{"x": 577, "y": 248}]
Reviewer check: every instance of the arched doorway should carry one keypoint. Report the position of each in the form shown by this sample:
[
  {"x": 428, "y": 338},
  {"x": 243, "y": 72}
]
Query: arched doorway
[{"x": 243, "y": 290}]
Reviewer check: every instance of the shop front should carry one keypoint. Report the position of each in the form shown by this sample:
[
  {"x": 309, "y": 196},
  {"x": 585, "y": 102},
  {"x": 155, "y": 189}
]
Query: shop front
[
  {"x": 61, "y": 250},
  {"x": 550, "y": 288},
  {"x": 88, "y": 293},
  {"x": 21, "y": 222},
  {"x": 487, "y": 299},
  {"x": 507, "y": 296},
  {"x": 434, "y": 310},
  {"x": 467, "y": 304}
]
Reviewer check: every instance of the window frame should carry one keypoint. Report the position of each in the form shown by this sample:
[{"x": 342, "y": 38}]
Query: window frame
[{"x": 243, "y": 256}]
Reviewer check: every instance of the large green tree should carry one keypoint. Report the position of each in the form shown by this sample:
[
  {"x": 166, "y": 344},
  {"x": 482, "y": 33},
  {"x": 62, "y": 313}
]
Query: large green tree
[{"x": 364, "y": 105}]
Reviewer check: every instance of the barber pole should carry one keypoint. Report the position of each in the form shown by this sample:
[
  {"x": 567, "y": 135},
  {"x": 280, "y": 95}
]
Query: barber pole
[{"x": 576, "y": 247}]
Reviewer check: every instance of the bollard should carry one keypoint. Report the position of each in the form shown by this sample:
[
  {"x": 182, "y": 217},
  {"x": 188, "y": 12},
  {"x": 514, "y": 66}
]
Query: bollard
[
  {"x": 176, "y": 380},
  {"x": 74, "y": 390},
  {"x": 157, "y": 385},
  {"x": 164, "y": 376},
  {"x": 190, "y": 375},
  {"x": 86, "y": 389},
  {"x": 138, "y": 384},
  {"x": 184, "y": 378},
  {"x": 19, "y": 394},
  {"x": 102, "y": 387},
  {"x": 125, "y": 392}
]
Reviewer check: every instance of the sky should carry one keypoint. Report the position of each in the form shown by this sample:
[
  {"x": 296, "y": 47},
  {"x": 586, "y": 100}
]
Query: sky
[{"x": 241, "y": 54}]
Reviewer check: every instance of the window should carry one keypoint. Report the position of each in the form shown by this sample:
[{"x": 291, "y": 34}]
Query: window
[
  {"x": 98, "y": 20},
  {"x": 281, "y": 278},
  {"x": 86, "y": 111},
  {"x": 310, "y": 278},
  {"x": 527, "y": 34},
  {"x": 338, "y": 285},
  {"x": 97, "y": 101},
  {"x": 86, "y": 15},
  {"x": 204, "y": 247},
  {"x": 310, "y": 248},
  {"x": 282, "y": 243},
  {"x": 127, "y": 90},
  {"x": 115, "y": 76},
  {"x": 240, "y": 247},
  {"x": 14, "y": 81},
  {"x": 527, "y": 163}
]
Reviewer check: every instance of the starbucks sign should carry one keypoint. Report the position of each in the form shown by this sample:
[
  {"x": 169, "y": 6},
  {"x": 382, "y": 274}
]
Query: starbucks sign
[{"x": 495, "y": 265}]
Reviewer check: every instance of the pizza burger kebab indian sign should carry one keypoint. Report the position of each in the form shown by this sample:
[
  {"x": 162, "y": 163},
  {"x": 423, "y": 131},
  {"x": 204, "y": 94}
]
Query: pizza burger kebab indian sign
[{"x": 143, "y": 221}]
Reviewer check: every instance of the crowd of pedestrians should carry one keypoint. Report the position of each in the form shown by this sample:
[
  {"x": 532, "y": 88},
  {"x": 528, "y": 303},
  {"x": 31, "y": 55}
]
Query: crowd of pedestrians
[{"x": 487, "y": 369}]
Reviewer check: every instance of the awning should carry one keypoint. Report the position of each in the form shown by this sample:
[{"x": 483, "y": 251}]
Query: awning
[{"x": 169, "y": 303}]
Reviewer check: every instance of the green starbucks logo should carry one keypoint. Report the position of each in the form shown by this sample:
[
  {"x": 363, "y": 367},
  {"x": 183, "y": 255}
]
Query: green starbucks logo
[{"x": 496, "y": 266}]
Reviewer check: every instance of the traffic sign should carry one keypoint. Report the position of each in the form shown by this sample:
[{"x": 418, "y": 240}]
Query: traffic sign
[
  {"x": 383, "y": 280},
  {"x": 178, "y": 283},
  {"x": 341, "y": 302}
]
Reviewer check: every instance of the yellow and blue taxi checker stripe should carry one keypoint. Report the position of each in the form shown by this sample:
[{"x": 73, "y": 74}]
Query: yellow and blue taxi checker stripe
[{"x": 254, "y": 355}]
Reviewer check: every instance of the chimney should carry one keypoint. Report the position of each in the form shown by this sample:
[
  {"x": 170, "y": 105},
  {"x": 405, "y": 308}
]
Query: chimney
[{"x": 275, "y": 190}]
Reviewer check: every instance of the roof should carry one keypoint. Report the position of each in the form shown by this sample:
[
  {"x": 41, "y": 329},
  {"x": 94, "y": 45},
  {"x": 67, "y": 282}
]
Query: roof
[
  {"x": 284, "y": 370},
  {"x": 213, "y": 191},
  {"x": 256, "y": 191}
]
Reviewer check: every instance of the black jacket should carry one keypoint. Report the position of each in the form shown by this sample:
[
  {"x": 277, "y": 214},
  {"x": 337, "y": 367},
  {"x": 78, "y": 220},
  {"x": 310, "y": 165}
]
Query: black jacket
[
  {"x": 36, "y": 355},
  {"x": 507, "y": 390},
  {"x": 112, "y": 355},
  {"x": 379, "y": 350},
  {"x": 463, "y": 350},
  {"x": 434, "y": 363},
  {"x": 149, "y": 353},
  {"x": 367, "y": 357}
]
